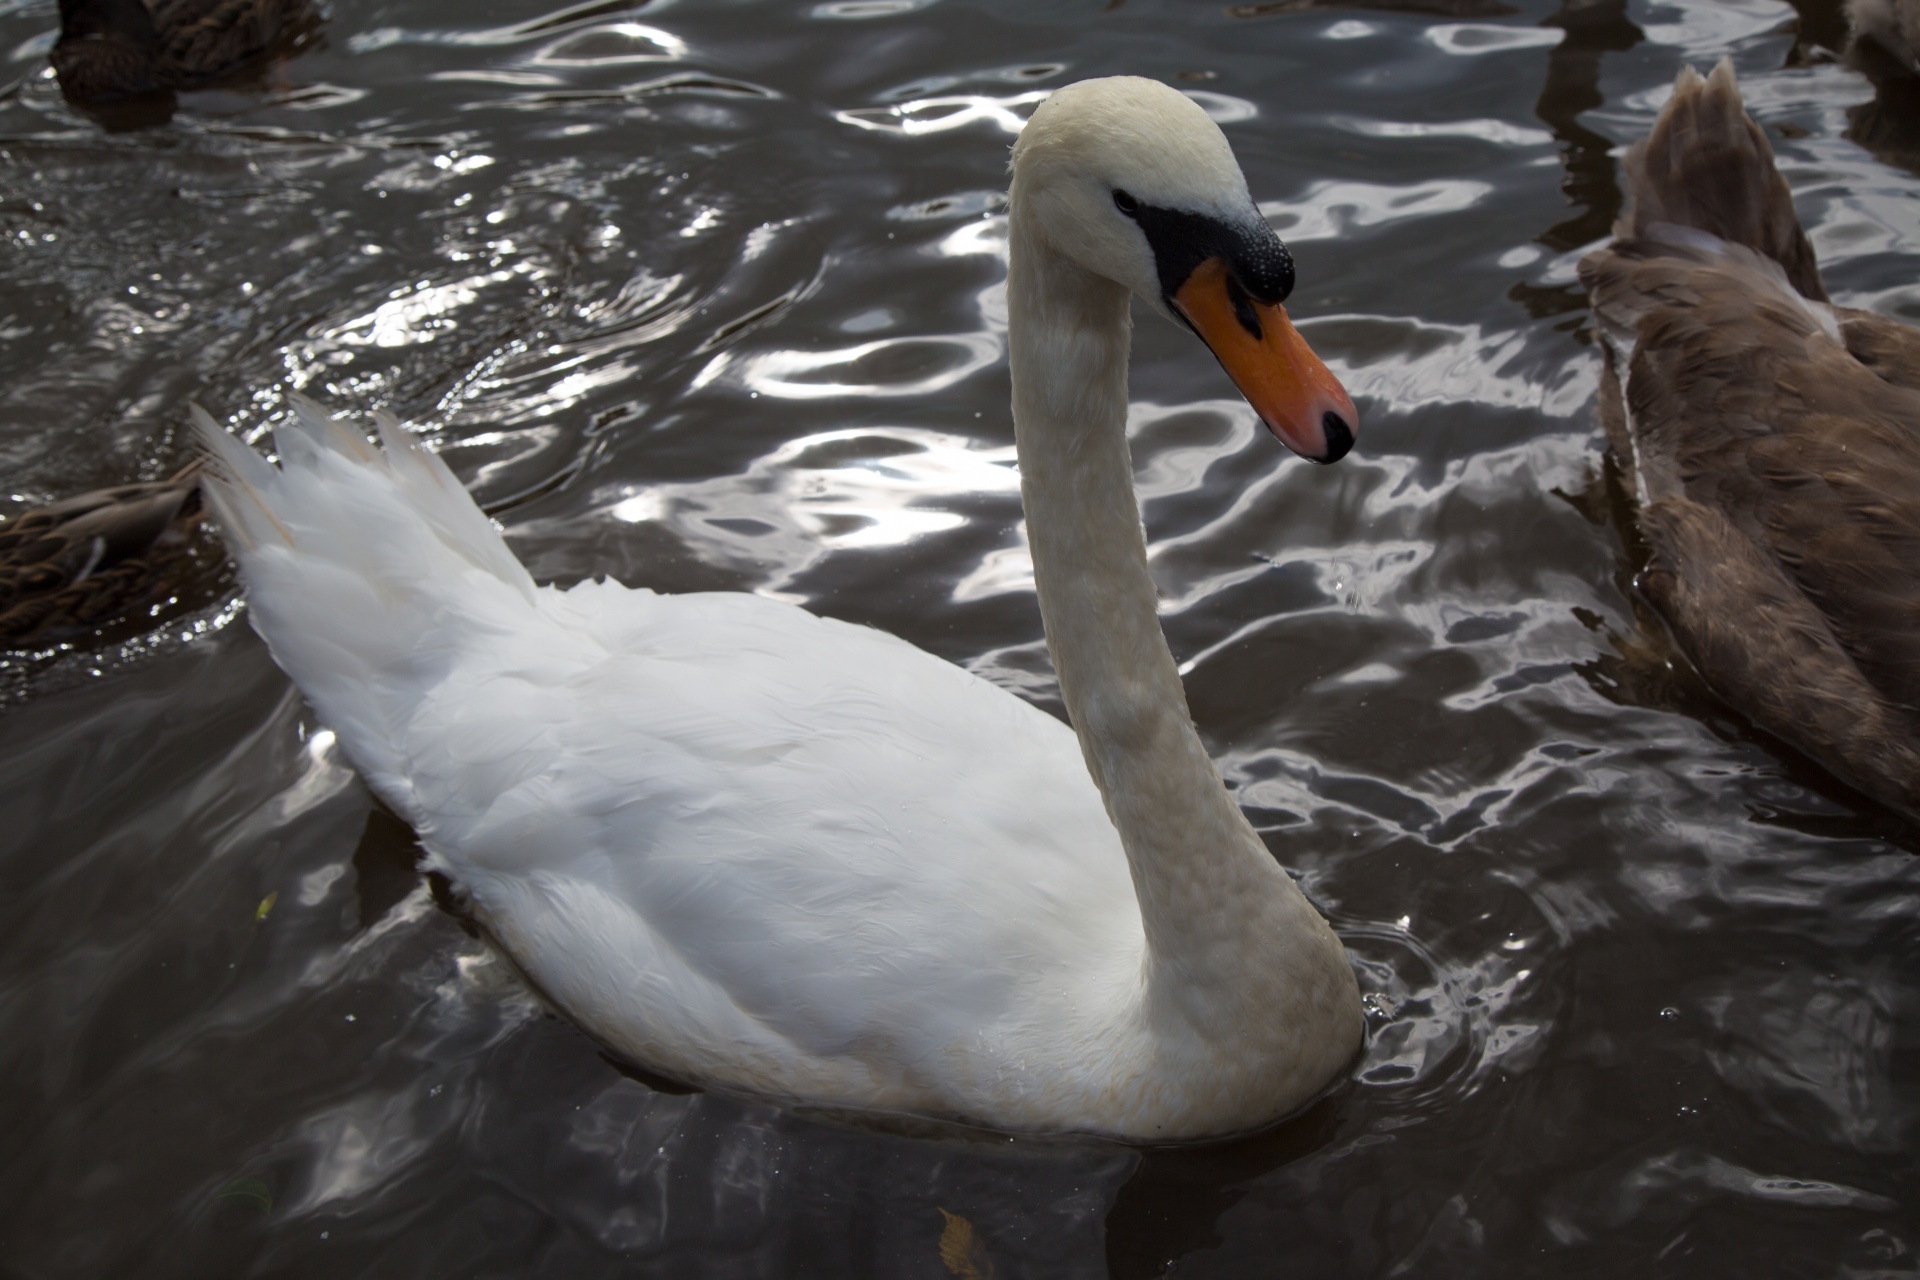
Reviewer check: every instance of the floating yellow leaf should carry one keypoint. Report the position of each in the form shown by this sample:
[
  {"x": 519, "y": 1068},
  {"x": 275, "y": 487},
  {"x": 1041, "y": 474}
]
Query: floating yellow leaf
[
  {"x": 266, "y": 905},
  {"x": 962, "y": 1251}
]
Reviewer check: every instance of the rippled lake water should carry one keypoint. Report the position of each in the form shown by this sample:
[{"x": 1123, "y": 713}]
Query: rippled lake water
[{"x": 709, "y": 295}]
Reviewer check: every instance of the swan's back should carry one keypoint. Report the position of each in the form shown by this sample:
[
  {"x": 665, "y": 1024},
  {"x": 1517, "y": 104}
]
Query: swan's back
[
  {"x": 739, "y": 842},
  {"x": 1773, "y": 443}
]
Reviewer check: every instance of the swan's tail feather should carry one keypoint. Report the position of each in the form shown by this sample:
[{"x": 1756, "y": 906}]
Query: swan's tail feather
[
  {"x": 367, "y": 568},
  {"x": 233, "y": 484},
  {"x": 1708, "y": 167},
  {"x": 324, "y": 430}
]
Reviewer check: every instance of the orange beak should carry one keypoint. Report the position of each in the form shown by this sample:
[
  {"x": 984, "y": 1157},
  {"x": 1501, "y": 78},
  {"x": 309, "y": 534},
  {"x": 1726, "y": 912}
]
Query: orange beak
[{"x": 1294, "y": 393}]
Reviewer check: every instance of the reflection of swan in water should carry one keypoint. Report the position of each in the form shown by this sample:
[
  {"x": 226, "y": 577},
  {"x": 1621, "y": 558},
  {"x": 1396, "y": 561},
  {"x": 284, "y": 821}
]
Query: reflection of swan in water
[
  {"x": 1773, "y": 443},
  {"x": 762, "y": 850},
  {"x": 112, "y": 49}
]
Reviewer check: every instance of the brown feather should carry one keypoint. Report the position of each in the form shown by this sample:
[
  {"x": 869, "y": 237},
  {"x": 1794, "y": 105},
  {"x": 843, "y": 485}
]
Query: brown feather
[
  {"x": 203, "y": 39},
  {"x": 70, "y": 566},
  {"x": 1706, "y": 165},
  {"x": 1774, "y": 443},
  {"x": 1889, "y": 348},
  {"x": 117, "y": 49},
  {"x": 1753, "y": 633}
]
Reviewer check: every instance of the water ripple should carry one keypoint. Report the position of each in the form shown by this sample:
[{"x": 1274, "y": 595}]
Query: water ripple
[{"x": 712, "y": 297}]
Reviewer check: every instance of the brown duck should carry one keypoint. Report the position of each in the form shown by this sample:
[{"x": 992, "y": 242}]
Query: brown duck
[
  {"x": 1772, "y": 443},
  {"x": 116, "y": 49},
  {"x": 75, "y": 566}
]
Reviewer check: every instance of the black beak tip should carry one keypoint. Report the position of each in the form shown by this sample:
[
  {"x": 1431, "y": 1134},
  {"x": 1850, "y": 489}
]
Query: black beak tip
[{"x": 1339, "y": 437}]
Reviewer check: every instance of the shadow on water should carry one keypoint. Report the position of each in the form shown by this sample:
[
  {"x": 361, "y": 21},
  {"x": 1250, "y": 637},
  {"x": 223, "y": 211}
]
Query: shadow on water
[
  {"x": 1889, "y": 125},
  {"x": 131, "y": 115},
  {"x": 386, "y": 864},
  {"x": 1594, "y": 29},
  {"x": 1172, "y": 1205}
]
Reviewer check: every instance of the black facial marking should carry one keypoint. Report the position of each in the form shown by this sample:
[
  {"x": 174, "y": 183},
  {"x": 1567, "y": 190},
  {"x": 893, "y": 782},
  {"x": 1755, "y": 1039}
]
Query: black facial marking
[
  {"x": 1243, "y": 308},
  {"x": 1181, "y": 241}
]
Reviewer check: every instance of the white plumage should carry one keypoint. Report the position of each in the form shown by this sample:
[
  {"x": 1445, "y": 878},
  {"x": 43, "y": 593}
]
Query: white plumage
[{"x": 763, "y": 850}]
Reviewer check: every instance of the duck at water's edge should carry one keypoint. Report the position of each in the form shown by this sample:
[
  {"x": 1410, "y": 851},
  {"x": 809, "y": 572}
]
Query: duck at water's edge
[
  {"x": 1772, "y": 442},
  {"x": 761, "y": 850}
]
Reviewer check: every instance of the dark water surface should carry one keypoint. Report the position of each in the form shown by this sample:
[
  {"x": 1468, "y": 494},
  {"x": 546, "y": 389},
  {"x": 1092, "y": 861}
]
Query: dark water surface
[{"x": 709, "y": 295}]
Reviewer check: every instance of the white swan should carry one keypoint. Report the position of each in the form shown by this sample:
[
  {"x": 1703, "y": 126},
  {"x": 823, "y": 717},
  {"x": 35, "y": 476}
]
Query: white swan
[{"x": 765, "y": 851}]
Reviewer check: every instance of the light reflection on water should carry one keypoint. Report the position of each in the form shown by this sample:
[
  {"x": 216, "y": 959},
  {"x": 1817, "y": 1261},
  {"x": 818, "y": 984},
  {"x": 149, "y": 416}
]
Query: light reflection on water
[{"x": 710, "y": 296}]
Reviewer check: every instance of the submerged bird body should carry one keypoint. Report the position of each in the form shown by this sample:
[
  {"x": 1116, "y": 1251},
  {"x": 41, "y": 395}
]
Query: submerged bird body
[
  {"x": 762, "y": 850},
  {"x": 1773, "y": 444},
  {"x": 111, "y": 49}
]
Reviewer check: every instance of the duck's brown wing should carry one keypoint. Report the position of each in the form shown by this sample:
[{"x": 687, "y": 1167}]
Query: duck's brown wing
[
  {"x": 1780, "y": 485},
  {"x": 1775, "y": 449},
  {"x": 1771, "y": 652},
  {"x": 203, "y": 39},
  {"x": 74, "y": 565}
]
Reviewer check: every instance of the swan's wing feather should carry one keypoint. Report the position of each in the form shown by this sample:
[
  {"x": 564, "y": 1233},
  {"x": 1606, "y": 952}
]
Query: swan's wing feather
[
  {"x": 369, "y": 583},
  {"x": 768, "y": 793},
  {"x": 683, "y": 815}
]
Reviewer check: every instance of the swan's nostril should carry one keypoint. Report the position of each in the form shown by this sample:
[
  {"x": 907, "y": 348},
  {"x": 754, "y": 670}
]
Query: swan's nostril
[{"x": 1339, "y": 437}]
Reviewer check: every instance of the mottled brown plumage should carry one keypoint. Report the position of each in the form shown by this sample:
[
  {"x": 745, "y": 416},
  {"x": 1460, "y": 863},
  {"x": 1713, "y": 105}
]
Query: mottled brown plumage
[
  {"x": 114, "y": 49},
  {"x": 1772, "y": 442},
  {"x": 77, "y": 565}
]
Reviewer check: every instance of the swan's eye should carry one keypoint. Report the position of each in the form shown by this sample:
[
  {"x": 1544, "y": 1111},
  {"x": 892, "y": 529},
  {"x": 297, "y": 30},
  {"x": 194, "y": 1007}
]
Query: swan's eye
[{"x": 1125, "y": 203}]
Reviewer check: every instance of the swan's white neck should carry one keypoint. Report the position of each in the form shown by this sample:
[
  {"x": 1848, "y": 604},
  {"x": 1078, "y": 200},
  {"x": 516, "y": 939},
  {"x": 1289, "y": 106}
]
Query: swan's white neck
[{"x": 1235, "y": 953}]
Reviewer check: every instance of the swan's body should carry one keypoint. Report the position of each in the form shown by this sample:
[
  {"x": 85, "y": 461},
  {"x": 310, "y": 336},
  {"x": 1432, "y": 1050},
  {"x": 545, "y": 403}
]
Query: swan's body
[
  {"x": 758, "y": 849},
  {"x": 1773, "y": 444}
]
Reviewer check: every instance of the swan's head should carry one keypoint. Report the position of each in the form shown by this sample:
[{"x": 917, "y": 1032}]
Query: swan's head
[{"x": 1131, "y": 180}]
